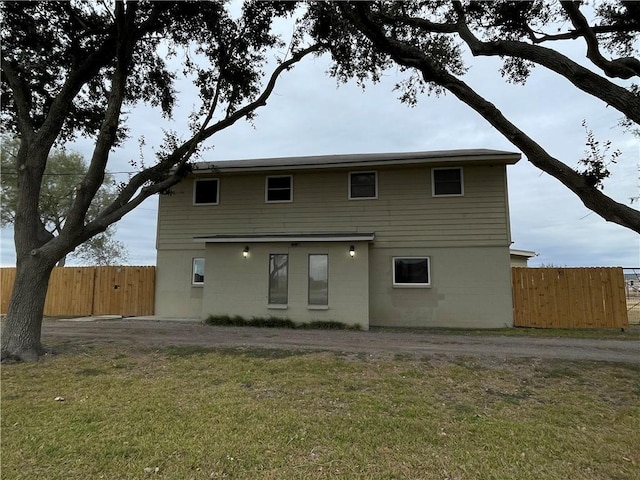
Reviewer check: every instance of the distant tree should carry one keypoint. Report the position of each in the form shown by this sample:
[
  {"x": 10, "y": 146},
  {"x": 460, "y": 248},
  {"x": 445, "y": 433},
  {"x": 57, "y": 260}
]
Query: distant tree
[
  {"x": 61, "y": 178},
  {"x": 102, "y": 250},
  {"x": 69, "y": 68},
  {"x": 427, "y": 40}
]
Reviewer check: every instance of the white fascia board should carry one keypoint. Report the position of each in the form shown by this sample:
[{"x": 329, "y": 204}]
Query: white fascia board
[{"x": 523, "y": 253}]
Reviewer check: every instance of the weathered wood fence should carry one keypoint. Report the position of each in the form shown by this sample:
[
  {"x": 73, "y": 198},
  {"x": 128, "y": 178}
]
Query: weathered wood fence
[
  {"x": 80, "y": 291},
  {"x": 569, "y": 298}
]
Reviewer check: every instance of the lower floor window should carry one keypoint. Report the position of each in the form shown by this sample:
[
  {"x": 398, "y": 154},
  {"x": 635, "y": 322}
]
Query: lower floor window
[
  {"x": 197, "y": 272},
  {"x": 278, "y": 279},
  {"x": 411, "y": 271},
  {"x": 318, "y": 279}
]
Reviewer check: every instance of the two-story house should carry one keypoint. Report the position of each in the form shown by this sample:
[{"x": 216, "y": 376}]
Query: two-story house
[{"x": 395, "y": 239}]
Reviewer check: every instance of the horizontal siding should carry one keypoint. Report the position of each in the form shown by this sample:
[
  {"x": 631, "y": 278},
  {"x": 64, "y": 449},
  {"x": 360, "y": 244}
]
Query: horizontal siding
[{"x": 405, "y": 213}]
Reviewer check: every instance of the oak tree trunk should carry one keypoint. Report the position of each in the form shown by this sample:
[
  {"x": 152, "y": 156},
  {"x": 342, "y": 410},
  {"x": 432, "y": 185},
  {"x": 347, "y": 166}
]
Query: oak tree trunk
[{"x": 21, "y": 329}]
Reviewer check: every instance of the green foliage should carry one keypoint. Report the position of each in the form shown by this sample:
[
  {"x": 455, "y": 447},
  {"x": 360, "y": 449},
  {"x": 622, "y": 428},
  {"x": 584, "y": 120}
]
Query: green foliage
[
  {"x": 223, "y": 54},
  {"x": 62, "y": 176},
  {"x": 597, "y": 159},
  {"x": 239, "y": 321},
  {"x": 275, "y": 322}
]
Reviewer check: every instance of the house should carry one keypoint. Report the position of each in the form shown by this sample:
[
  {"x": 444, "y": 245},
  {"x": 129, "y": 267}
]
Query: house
[
  {"x": 393, "y": 239},
  {"x": 520, "y": 258}
]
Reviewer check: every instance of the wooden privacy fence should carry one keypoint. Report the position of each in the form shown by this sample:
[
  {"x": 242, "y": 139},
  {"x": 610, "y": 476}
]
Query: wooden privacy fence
[
  {"x": 81, "y": 291},
  {"x": 569, "y": 298}
]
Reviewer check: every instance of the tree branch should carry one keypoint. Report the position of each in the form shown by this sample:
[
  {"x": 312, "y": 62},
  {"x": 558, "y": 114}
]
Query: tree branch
[
  {"x": 409, "y": 56},
  {"x": 170, "y": 170},
  {"x": 624, "y": 68},
  {"x": 577, "y": 33},
  {"x": 21, "y": 98},
  {"x": 583, "y": 78},
  {"x": 421, "y": 23},
  {"x": 125, "y": 44}
]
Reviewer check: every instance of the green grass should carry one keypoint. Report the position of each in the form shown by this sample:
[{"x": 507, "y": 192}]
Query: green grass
[{"x": 194, "y": 413}]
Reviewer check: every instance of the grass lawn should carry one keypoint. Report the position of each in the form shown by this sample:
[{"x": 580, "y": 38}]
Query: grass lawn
[
  {"x": 630, "y": 333},
  {"x": 182, "y": 413}
]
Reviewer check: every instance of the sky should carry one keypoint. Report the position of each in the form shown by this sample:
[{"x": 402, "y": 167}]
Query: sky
[{"x": 310, "y": 114}]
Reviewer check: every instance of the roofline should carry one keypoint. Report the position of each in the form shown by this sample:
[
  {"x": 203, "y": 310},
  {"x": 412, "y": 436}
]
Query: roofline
[
  {"x": 300, "y": 237},
  {"x": 438, "y": 157},
  {"x": 523, "y": 253}
]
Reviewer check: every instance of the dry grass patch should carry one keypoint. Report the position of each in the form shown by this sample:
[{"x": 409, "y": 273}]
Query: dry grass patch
[{"x": 180, "y": 413}]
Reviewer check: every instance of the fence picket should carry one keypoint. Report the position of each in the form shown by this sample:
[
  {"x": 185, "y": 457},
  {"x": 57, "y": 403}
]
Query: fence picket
[
  {"x": 81, "y": 291},
  {"x": 569, "y": 297}
]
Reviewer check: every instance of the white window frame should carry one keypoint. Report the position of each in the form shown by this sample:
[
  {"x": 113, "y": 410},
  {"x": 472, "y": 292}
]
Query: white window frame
[
  {"x": 193, "y": 271},
  {"x": 266, "y": 189},
  {"x": 217, "y": 180},
  {"x": 375, "y": 176},
  {"x": 433, "y": 182},
  {"x": 411, "y": 285}
]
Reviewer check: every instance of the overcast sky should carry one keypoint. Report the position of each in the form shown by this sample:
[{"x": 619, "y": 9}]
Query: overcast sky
[{"x": 308, "y": 114}]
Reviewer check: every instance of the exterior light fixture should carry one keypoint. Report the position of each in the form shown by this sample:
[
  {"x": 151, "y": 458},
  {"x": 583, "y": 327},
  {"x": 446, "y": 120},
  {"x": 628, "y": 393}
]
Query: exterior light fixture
[
  {"x": 245, "y": 252},
  {"x": 352, "y": 251}
]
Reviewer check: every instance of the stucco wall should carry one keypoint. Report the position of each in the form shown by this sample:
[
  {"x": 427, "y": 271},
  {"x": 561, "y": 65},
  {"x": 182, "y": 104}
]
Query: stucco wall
[
  {"x": 519, "y": 261},
  {"x": 175, "y": 296},
  {"x": 236, "y": 285},
  {"x": 470, "y": 288}
]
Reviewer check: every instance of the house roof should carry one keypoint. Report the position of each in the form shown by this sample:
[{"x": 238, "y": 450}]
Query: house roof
[{"x": 432, "y": 158}]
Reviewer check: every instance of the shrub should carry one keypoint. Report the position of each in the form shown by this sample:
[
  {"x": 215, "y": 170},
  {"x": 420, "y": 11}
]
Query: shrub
[{"x": 276, "y": 322}]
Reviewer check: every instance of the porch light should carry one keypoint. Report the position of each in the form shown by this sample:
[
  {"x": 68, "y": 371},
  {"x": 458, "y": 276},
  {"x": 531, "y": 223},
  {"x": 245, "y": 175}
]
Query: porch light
[
  {"x": 245, "y": 252},
  {"x": 352, "y": 251}
]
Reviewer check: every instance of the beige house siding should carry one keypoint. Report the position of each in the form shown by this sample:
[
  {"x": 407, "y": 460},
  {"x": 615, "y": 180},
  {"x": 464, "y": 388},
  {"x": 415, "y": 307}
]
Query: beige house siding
[{"x": 404, "y": 214}]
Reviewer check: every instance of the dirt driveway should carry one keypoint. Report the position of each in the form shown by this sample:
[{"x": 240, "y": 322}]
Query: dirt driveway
[{"x": 374, "y": 342}]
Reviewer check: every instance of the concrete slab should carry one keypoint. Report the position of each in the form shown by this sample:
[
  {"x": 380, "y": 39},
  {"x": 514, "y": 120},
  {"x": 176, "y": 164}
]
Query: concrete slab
[
  {"x": 91, "y": 319},
  {"x": 156, "y": 318}
]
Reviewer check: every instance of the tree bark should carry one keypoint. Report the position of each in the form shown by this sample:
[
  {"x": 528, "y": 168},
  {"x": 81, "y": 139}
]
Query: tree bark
[{"x": 21, "y": 329}]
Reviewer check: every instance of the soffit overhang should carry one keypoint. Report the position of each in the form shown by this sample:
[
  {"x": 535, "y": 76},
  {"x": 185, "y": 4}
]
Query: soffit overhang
[{"x": 286, "y": 238}]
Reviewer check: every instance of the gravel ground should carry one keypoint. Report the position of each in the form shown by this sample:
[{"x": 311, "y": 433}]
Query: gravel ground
[{"x": 153, "y": 332}]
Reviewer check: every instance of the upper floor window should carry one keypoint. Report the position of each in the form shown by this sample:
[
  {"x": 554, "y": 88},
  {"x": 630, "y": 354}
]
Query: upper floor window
[
  {"x": 279, "y": 189},
  {"x": 447, "y": 182},
  {"x": 363, "y": 185},
  {"x": 206, "y": 191}
]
